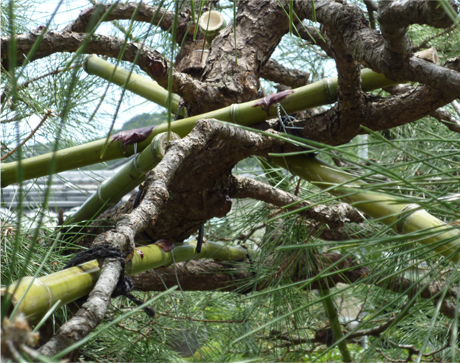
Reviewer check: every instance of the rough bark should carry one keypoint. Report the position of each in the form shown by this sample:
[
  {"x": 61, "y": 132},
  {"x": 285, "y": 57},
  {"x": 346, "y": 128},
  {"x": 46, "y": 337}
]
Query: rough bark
[
  {"x": 187, "y": 197},
  {"x": 367, "y": 46},
  {"x": 334, "y": 216},
  {"x": 91, "y": 313},
  {"x": 378, "y": 114}
]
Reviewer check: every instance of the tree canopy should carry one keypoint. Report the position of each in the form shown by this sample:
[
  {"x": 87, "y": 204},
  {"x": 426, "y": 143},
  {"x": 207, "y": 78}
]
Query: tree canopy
[{"x": 326, "y": 207}]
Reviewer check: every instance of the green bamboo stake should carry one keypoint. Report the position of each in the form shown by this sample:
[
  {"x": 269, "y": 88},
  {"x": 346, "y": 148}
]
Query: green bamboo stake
[
  {"x": 142, "y": 86},
  {"x": 312, "y": 95},
  {"x": 333, "y": 317},
  {"x": 404, "y": 218},
  {"x": 75, "y": 282},
  {"x": 126, "y": 179}
]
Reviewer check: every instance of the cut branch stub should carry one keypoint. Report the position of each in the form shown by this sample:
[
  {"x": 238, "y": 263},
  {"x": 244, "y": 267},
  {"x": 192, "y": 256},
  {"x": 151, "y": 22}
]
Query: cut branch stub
[{"x": 130, "y": 137}]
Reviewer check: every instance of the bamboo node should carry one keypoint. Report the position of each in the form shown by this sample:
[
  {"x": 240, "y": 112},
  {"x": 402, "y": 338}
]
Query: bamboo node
[{"x": 402, "y": 218}]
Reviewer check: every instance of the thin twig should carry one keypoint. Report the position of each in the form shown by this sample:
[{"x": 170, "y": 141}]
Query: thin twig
[
  {"x": 388, "y": 358},
  {"x": 202, "y": 320},
  {"x": 18, "y": 117},
  {"x": 26, "y": 84},
  {"x": 413, "y": 351},
  {"x": 245, "y": 236},
  {"x": 425, "y": 44},
  {"x": 378, "y": 330},
  {"x": 11, "y": 152},
  {"x": 371, "y": 7}
]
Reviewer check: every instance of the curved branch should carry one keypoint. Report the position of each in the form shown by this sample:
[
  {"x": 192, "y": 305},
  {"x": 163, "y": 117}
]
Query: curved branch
[
  {"x": 151, "y": 61},
  {"x": 145, "y": 13},
  {"x": 405, "y": 13},
  {"x": 273, "y": 71},
  {"x": 394, "y": 26},
  {"x": 380, "y": 114},
  {"x": 367, "y": 46},
  {"x": 334, "y": 216}
]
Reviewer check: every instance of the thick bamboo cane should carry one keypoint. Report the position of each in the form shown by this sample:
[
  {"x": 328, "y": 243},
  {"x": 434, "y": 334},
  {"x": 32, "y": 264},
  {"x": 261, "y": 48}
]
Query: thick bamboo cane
[
  {"x": 404, "y": 218},
  {"x": 73, "y": 283},
  {"x": 124, "y": 180},
  {"x": 144, "y": 87}
]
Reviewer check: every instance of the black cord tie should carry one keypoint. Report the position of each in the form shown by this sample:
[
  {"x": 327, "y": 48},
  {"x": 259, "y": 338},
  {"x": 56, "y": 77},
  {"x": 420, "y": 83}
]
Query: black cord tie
[
  {"x": 125, "y": 283},
  {"x": 287, "y": 122},
  {"x": 199, "y": 242}
]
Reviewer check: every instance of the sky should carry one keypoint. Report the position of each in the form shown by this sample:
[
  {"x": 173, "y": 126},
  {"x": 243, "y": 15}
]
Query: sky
[{"x": 39, "y": 14}]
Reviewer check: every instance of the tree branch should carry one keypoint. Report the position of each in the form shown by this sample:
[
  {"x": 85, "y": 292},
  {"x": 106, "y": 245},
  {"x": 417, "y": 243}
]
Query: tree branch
[
  {"x": 174, "y": 206},
  {"x": 273, "y": 71},
  {"x": 380, "y": 114},
  {"x": 91, "y": 313},
  {"x": 334, "y": 216},
  {"x": 378, "y": 330},
  {"x": 234, "y": 277},
  {"x": 145, "y": 13},
  {"x": 449, "y": 309},
  {"x": 350, "y": 95},
  {"x": 42, "y": 121},
  {"x": 152, "y": 62},
  {"x": 447, "y": 119},
  {"x": 405, "y": 13},
  {"x": 367, "y": 45},
  {"x": 371, "y": 6},
  {"x": 394, "y": 25}
]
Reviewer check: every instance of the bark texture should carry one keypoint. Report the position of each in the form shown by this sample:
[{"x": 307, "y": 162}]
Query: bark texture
[{"x": 91, "y": 313}]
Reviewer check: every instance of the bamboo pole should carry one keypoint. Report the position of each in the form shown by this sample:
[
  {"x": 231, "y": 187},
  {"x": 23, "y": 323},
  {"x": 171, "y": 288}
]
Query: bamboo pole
[
  {"x": 144, "y": 87},
  {"x": 75, "y": 282},
  {"x": 404, "y": 218},
  {"x": 312, "y": 95},
  {"x": 126, "y": 179}
]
